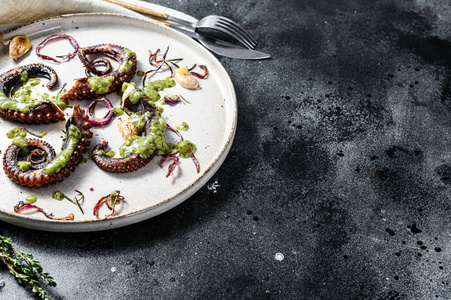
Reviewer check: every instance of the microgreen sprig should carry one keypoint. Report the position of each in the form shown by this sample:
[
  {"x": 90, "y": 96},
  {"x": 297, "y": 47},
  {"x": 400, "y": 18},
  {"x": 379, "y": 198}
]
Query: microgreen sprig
[
  {"x": 60, "y": 196},
  {"x": 158, "y": 61}
]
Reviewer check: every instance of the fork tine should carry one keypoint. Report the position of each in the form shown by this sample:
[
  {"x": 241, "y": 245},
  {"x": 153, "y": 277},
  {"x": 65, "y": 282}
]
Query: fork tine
[
  {"x": 233, "y": 29},
  {"x": 232, "y": 32},
  {"x": 238, "y": 29}
]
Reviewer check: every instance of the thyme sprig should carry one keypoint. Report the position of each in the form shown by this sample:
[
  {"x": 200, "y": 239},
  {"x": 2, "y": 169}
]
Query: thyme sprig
[{"x": 25, "y": 268}]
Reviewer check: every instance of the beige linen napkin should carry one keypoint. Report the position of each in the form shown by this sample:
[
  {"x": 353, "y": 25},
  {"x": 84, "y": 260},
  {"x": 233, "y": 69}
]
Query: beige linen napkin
[
  {"x": 26, "y": 11},
  {"x": 13, "y": 12}
]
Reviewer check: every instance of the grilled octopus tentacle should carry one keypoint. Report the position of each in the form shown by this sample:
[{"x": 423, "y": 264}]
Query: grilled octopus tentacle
[
  {"x": 133, "y": 162},
  {"x": 43, "y": 113},
  {"x": 118, "y": 165},
  {"x": 41, "y": 154},
  {"x": 80, "y": 89},
  {"x": 99, "y": 61}
]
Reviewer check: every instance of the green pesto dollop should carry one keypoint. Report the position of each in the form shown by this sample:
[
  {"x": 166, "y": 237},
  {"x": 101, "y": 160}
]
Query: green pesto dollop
[
  {"x": 117, "y": 111},
  {"x": 135, "y": 96},
  {"x": 24, "y": 165},
  {"x": 21, "y": 143},
  {"x": 31, "y": 199},
  {"x": 125, "y": 66},
  {"x": 184, "y": 126},
  {"x": 25, "y": 97},
  {"x": 125, "y": 85},
  {"x": 20, "y": 133},
  {"x": 109, "y": 153},
  {"x": 24, "y": 76},
  {"x": 147, "y": 145},
  {"x": 16, "y": 133},
  {"x": 129, "y": 53},
  {"x": 185, "y": 147},
  {"x": 7, "y": 103},
  {"x": 64, "y": 156},
  {"x": 139, "y": 121},
  {"x": 152, "y": 88},
  {"x": 58, "y": 195},
  {"x": 62, "y": 104},
  {"x": 100, "y": 85}
]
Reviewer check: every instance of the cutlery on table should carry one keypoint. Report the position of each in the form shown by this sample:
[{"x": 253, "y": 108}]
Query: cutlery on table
[
  {"x": 224, "y": 48},
  {"x": 213, "y": 26}
]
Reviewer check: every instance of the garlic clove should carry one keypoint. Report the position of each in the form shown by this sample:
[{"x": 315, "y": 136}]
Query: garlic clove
[
  {"x": 18, "y": 46},
  {"x": 126, "y": 128},
  {"x": 186, "y": 80}
]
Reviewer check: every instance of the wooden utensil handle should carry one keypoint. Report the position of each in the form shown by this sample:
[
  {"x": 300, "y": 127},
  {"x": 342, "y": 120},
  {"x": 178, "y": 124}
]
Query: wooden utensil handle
[{"x": 139, "y": 8}]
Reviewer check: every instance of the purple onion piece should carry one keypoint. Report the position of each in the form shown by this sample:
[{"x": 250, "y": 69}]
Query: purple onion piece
[
  {"x": 171, "y": 99},
  {"x": 72, "y": 41},
  {"x": 103, "y": 121}
]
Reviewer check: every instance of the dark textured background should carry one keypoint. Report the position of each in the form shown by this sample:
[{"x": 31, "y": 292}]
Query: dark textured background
[{"x": 341, "y": 163}]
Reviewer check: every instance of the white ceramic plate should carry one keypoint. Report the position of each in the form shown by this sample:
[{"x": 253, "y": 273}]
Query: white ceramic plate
[{"x": 211, "y": 117}]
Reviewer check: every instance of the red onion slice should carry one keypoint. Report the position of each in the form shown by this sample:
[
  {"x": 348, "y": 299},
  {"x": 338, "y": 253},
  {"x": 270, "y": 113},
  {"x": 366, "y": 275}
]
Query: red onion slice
[
  {"x": 103, "y": 121},
  {"x": 171, "y": 99},
  {"x": 61, "y": 36},
  {"x": 22, "y": 207},
  {"x": 111, "y": 203},
  {"x": 200, "y": 76}
]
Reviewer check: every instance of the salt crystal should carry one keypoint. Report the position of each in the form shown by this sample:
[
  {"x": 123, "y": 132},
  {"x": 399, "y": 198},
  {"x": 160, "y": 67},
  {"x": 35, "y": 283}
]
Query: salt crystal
[{"x": 279, "y": 256}]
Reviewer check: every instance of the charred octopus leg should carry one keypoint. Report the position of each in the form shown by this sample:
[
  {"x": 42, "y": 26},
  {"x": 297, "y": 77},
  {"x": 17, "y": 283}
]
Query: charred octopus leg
[
  {"x": 45, "y": 168},
  {"x": 118, "y": 165},
  {"x": 106, "y": 82},
  {"x": 132, "y": 162},
  {"x": 32, "y": 112}
]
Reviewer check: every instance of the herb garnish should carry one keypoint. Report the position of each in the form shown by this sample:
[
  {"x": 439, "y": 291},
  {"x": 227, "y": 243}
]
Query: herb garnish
[{"x": 24, "y": 268}]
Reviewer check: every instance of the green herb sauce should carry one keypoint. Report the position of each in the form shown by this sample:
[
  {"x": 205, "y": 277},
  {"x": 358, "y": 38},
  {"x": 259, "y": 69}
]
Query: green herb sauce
[
  {"x": 100, "y": 85},
  {"x": 64, "y": 156},
  {"x": 129, "y": 53},
  {"x": 125, "y": 66},
  {"x": 22, "y": 144},
  {"x": 31, "y": 199},
  {"x": 24, "y": 76},
  {"x": 21, "y": 133},
  {"x": 118, "y": 111},
  {"x": 125, "y": 86},
  {"x": 139, "y": 121},
  {"x": 25, "y": 97},
  {"x": 147, "y": 145},
  {"x": 24, "y": 165},
  {"x": 109, "y": 153},
  {"x": 62, "y": 104},
  {"x": 58, "y": 195},
  {"x": 16, "y": 133},
  {"x": 184, "y": 126},
  {"x": 184, "y": 148},
  {"x": 152, "y": 88},
  {"x": 135, "y": 96}
]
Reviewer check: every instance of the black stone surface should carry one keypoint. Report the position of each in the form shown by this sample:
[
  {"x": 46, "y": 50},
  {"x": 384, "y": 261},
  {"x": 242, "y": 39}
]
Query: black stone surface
[{"x": 341, "y": 166}]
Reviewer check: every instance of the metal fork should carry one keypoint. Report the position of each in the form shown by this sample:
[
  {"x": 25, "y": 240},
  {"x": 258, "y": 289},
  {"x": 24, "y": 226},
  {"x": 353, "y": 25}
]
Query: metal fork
[
  {"x": 223, "y": 28},
  {"x": 213, "y": 26}
]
